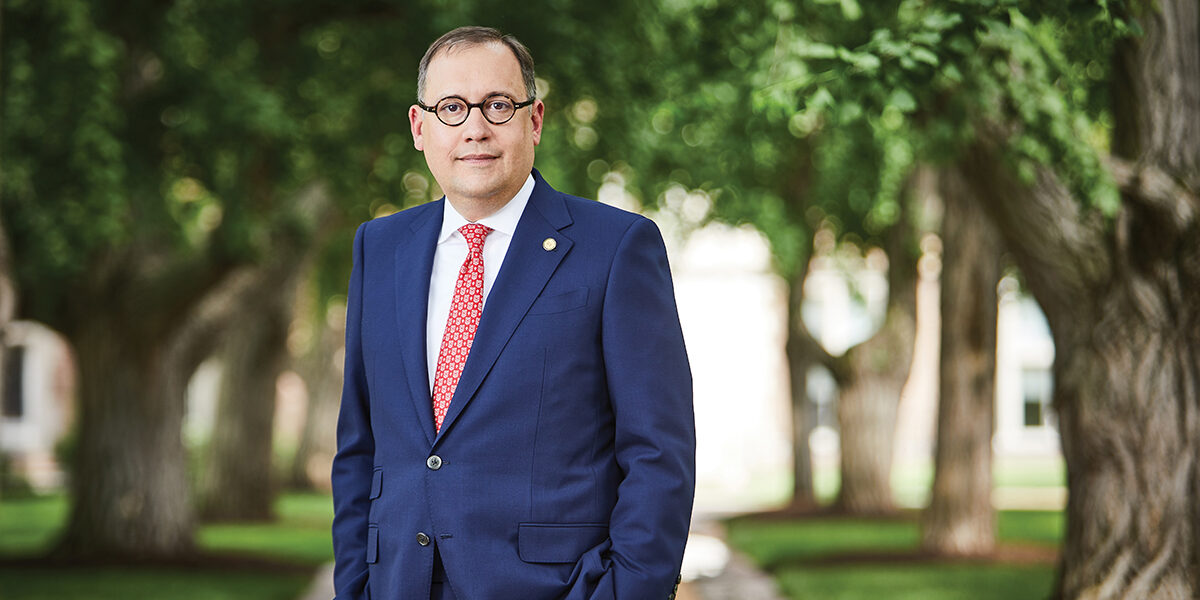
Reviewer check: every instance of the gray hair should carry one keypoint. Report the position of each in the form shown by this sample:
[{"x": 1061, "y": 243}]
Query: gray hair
[{"x": 473, "y": 35}]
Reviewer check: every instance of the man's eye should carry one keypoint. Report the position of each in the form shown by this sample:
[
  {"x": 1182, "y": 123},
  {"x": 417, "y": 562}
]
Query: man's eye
[
  {"x": 500, "y": 105},
  {"x": 452, "y": 108}
]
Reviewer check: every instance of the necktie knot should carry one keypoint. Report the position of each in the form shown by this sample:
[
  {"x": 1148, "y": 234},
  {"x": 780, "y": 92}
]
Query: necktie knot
[{"x": 475, "y": 234}]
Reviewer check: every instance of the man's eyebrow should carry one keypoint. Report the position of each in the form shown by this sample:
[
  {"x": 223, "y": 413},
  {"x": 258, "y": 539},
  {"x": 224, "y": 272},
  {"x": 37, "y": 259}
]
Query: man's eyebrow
[{"x": 485, "y": 96}]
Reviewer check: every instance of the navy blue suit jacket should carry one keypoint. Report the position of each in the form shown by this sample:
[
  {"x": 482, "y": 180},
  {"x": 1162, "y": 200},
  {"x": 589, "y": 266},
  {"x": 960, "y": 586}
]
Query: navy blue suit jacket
[{"x": 565, "y": 465}]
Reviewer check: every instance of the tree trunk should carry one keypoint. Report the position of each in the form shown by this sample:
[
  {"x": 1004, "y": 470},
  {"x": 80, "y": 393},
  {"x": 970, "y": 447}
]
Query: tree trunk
[
  {"x": 1127, "y": 394},
  {"x": 238, "y": 480},
  {"x": 801, "y": 349},
  {"x": 960, "y": 520},
  {"x": 871, "y": 376},
  {"x": 130, "y": 493},
  {"x": 1123, "y": 302},
  {"x": 1124, "y": 309},
  {"x": 322, "y": 373},
  {"x": 130, "y": 484},
  {"x": 866, "y": 412}
]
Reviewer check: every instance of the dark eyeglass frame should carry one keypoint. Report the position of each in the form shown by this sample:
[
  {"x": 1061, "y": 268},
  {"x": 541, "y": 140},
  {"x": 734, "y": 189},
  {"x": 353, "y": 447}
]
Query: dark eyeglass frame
[{"x": 516, "y": 106}]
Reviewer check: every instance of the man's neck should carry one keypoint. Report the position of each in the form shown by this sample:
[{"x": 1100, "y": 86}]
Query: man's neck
[{"x": 474, "y": 209}]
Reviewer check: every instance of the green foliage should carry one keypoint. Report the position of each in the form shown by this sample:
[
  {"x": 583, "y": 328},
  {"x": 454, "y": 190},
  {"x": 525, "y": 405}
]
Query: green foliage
[
  {"x": 64, "y": 166},
  {"x": 171, "y": 139},
  {"x": 694, "y": 121},
  {"x": 932, "y": 76},
  {"x": 187, "y": 131}
]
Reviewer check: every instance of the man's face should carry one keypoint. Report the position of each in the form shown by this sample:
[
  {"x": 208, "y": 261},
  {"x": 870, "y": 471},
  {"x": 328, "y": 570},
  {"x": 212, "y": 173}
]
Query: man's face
[{"x": 478, "y": 165}]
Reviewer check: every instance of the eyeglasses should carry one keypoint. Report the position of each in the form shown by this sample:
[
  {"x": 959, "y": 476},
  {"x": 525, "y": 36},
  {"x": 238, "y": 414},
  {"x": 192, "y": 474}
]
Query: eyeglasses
[{"x": 498, "y": 109}]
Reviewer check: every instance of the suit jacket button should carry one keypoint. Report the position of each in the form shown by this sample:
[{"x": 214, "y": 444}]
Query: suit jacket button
[
  {"x": 422, "y": 539},
  {"x": 434, "y": 462}
]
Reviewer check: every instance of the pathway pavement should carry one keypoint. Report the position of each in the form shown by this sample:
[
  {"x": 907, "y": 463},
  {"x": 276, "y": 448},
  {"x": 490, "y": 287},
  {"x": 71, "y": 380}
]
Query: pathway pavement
[
  {"x": 725, "y": 574},
  {"x": 714, "y": 572}
]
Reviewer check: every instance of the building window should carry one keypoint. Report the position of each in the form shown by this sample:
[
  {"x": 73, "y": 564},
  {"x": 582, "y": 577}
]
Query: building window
[
  {"x": 1037, "y": 386},
  {"x": 1033, "y": 413},
  {"x": 14, "y": 384}
]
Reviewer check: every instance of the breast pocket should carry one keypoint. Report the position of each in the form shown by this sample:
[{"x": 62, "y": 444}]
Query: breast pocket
[{"x": 560, "y": 302}]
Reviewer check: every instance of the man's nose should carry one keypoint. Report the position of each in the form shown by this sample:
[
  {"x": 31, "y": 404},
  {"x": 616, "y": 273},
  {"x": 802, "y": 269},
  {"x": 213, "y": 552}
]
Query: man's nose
[{"x": 476, "y": 128}]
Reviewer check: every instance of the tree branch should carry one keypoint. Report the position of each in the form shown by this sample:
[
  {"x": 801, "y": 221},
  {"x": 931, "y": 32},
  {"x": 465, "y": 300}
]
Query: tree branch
[
  {"x": 1063, "y": 249},
  {"x": 1155, "y": 189}
]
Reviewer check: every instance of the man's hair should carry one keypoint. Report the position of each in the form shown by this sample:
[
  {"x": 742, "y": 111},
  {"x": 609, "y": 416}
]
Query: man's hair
[{"x": 473, "y": 35}]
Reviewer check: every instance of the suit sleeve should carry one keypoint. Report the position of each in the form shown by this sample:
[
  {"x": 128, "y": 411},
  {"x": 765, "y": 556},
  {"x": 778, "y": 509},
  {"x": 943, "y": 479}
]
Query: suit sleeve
[
  {"x": 352, "y": 466},
  {"x": 650, "y": 387}
]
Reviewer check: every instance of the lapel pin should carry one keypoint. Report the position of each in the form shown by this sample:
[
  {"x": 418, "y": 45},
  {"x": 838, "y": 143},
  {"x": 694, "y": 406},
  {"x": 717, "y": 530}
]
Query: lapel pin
[{"x": 549, "y": 244}]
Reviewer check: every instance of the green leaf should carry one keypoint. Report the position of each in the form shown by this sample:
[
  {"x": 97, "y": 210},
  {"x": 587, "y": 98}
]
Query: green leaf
[
  {"x": 902, "y": 100},
  {"x": 925, "y": 55}
]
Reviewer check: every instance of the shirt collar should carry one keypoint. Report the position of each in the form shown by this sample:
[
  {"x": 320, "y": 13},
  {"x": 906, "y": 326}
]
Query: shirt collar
[{"x": 503, "y": 221}]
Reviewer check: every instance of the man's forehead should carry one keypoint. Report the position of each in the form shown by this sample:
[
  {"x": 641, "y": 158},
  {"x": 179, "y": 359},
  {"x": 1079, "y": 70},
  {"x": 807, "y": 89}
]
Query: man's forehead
[{"x": 468, "y": 65}]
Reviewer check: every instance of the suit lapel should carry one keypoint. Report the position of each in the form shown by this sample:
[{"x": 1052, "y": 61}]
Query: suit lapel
[
  {"x": 526, "y": 269},
  {"x": 413, "y": 268}
]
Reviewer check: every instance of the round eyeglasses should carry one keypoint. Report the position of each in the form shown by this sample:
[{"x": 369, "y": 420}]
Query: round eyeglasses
[{"x": 498, "y": 109}]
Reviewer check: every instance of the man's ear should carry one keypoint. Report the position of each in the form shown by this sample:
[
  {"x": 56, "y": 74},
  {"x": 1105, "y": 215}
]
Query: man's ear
[
  {"x": 537, "y": 113},
  {"x": 415, "y": 122}
]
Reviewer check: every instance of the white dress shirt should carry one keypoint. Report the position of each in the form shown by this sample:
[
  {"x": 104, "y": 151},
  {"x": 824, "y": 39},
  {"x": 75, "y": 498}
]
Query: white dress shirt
[{"x": 449, "y": 256}]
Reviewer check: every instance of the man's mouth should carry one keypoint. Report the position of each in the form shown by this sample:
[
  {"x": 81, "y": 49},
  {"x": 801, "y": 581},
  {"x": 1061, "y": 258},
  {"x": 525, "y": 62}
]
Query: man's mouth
[{"x": 477, "y": 158}]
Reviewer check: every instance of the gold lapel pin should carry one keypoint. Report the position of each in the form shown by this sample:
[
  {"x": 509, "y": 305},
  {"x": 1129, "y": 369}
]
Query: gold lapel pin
[{"x": 549, "y": 244}]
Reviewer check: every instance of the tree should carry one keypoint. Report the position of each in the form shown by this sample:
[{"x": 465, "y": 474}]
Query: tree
[
  {"x": 1121, "y": 295},
  {"x": 960, "y": 520},
  {"x": 763, "y": 164},
  {"x": 872, "y": 380},
  {"x": 239, "y": 482},
  {"x": 151, "y": 161},
  {"x": 1025, "y": 100}
]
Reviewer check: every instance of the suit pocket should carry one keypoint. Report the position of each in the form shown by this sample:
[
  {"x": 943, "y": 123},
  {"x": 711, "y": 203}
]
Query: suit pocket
[
  {"x": 560, "y": 303},
  {"x": 376, "y": 483},
  {"x": 372, "y": 544},
  {"x": 557, "y": 542}
]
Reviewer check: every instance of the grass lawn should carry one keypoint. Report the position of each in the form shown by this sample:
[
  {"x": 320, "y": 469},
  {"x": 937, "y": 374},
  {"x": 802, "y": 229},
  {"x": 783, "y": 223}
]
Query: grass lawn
[
  {"x": 126, "y": 584},
  {"x": 300, "y": 536},
  {"x": 869, "y": 559},
  {"x": 917, "y": 582}
]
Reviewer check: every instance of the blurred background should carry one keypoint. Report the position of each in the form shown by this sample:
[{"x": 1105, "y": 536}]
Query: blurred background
[{"x": 881, "y": 218}]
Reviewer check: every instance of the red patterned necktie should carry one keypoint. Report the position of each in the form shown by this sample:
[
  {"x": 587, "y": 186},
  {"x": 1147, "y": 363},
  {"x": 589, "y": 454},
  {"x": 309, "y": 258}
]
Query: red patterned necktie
[{"x": 465, "y": 309}]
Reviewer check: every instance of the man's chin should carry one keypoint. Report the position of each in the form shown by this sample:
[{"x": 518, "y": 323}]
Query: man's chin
[{"x": 479, "y": 192}]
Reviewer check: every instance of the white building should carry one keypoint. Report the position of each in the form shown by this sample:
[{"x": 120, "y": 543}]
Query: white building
[{"x": 38, "y": 398}]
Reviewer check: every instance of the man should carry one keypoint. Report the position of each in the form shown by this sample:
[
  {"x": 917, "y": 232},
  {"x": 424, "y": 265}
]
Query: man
[{"x": 516, "y": 420}]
